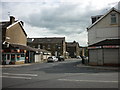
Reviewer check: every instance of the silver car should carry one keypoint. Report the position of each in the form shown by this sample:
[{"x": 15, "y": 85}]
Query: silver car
[{"x": 52, "y": 59}]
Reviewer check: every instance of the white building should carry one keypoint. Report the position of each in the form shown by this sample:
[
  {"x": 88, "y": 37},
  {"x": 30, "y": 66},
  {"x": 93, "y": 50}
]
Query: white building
[{"x": 103, "y": 39}]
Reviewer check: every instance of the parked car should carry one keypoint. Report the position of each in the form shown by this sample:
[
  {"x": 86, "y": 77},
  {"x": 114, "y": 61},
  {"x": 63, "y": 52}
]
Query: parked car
[
  {"x": 86, "y": 58},
  {"x": 78, "y": 57},
  {"x": 52, "y": 59},
  {"x": 60, "y": 58}
]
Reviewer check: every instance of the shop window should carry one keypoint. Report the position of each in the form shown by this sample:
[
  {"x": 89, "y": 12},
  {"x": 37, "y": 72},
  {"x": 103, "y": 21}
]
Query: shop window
[
  {"x": 13, "y": 57},
  {"x": 18, "y": 56},
  {"x": 4, "y": 57},
  {"x": 8, "y": 57},
  {"x": 22, "y": 55}
]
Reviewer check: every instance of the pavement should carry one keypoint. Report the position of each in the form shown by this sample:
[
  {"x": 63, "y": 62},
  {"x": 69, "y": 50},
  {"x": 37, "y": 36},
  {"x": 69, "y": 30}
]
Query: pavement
[
  {"x": 99, "y": 67},
  {"x": 19, "y": 65}
]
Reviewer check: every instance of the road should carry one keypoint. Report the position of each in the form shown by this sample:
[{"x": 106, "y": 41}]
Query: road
[{"x": 63, "y": 74}]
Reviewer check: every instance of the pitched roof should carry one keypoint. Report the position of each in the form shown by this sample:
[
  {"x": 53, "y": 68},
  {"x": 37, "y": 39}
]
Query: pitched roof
[
  {"x": 112, "y": 9},
  {"x": 107, "y": 42},
  {"x": 19, "y": 22},
  {"x": 27, "y": 48},
  {"x": 6, "y": 24},
  {"x": 72, "y": 44},
  {"x": 47, "y": 40}
]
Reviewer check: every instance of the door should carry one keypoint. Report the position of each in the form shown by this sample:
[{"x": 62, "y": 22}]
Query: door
[
  {"x": 4, "y": 57},
  {"x": 93, "y": 56},
  {"x": 8, "y": 58},
  {"x": 100, "y": 57},
  {"x": 13, "y": 58},
  {"x": 111, "y": 56}
]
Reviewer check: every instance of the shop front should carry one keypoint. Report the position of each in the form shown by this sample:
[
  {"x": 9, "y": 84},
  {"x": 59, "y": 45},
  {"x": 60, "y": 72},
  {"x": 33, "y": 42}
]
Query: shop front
[
  {"x": 19, "y": 54},
  {"x": 16, "y": 56},
  {"x": 104, "y": 55}
]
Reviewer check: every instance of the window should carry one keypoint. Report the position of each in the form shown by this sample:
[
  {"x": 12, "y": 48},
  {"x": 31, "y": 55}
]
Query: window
[
  {"x": 48, "y": 46},
  {"x": 48, "y": 40},
  {"x": 22, "y": 55},
  {"x": 43, "y": 47},
  {"x": 18, "y": 56},
  {"x": 113, "y": 18},
  {"x": 38, "y": 46}
]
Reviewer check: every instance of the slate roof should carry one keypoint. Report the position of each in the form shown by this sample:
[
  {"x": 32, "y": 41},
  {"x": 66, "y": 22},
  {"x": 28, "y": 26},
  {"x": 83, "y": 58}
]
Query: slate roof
[
  {"x": 27, "y": 48},
  {"x": 112, "y": 9},
  {"x": 72, "y": 44},
  {"x": 107, "y": 42}
]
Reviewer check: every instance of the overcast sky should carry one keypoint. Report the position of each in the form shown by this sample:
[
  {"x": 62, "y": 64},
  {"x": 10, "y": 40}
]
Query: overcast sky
[{"x": 56, "y": 18}]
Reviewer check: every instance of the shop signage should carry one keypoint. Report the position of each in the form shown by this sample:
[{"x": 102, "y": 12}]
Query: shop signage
[
  {"x": 111, "y": 46},
  {"x": 95, "y": 47}
]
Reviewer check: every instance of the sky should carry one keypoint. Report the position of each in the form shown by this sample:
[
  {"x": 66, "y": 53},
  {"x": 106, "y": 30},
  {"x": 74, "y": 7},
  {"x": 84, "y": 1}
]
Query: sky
[{"x": 56, "y": 18}]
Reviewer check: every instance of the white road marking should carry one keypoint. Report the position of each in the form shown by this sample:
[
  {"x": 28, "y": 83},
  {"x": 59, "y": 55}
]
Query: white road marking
[
  {"x": 20, "y": 74},
  {"x": 87, "y": 80},
  {"x": 89, "y": 74},
  {"x": 16, "y": 77}
]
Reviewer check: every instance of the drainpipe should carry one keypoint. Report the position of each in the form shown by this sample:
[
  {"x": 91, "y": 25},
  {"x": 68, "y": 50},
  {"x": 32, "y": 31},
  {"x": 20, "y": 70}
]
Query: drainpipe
[
  {"x": 83, "y": 52},
  {"x": 29, "y": 55},
  {"x": 103, "y": 54},
  {"x": 88, "y": 56}
]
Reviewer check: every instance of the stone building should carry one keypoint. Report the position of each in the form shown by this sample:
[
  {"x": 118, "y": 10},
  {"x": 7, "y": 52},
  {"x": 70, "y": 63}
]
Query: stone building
[
  {"x": 56, "y": 45},
  {"x": 73, "y": 49}
]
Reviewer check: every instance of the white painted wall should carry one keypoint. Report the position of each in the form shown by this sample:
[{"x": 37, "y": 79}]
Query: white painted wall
[
  {"x": 104, "y": 30},
  {"x": 99, "y": 34},
  {"x": 38, "y": 58}
]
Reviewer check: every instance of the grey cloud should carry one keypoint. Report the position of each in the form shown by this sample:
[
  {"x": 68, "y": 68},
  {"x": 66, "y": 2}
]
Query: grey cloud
[{"x": 67, "y": 16}]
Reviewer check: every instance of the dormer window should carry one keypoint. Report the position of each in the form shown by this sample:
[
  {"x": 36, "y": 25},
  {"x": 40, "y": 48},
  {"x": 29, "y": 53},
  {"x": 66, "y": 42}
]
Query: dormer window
[{"x": 113, "y": 18}]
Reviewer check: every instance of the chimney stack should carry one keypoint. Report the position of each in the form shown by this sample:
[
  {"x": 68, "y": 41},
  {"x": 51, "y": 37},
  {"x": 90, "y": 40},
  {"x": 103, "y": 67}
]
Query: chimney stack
[
  {"x": 22, "y": 23},
  {"x": 12, "y": 19}
]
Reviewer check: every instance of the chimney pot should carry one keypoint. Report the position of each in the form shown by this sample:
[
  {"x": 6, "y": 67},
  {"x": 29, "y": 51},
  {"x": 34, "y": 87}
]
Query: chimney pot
[
  {"x": 12, "y": 19},
  {"x": 22, "y": 23}
]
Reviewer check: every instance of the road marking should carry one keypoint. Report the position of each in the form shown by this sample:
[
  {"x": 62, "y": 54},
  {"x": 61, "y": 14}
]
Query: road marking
[
  {"x": 20, "y": 74},
  {"x": 90, "y": 74},
  {"x": 16, "y": 77},
  {"x": 87, "y": 80}
]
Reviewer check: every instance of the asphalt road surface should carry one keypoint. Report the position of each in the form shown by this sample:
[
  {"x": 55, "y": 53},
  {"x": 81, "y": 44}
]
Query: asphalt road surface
[{"x": 63, "y": 74}]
